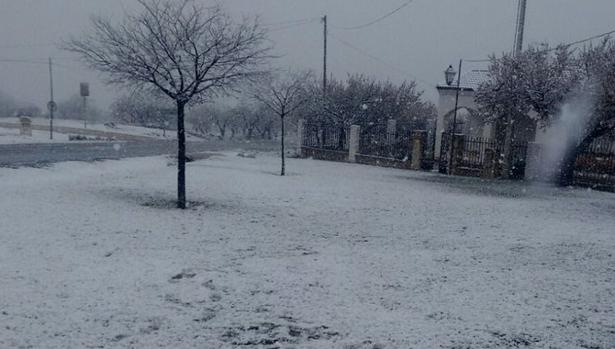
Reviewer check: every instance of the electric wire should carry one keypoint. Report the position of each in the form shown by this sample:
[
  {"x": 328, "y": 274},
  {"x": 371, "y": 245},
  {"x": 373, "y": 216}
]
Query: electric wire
[{"x": 379, "y": 19}]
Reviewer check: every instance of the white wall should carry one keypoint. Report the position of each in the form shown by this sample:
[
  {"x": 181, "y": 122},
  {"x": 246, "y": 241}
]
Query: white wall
[{"x": 446, "y": 104}]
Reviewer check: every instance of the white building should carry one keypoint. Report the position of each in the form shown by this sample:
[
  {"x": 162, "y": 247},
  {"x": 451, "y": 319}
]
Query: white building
[{"x": 469, "y": 122}]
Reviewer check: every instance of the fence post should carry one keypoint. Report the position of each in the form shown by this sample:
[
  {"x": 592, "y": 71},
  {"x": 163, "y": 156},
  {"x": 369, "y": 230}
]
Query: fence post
[
  {"x": 488, "y": 171},
  {"x": 456, "y": 149},
  {"x": 418, "y": 147},
  {"x": 391, "y": 131},
  {"x": 26, "y": 126},
  {"x": 353, "y": 142},
  {"x": 300, "y": 136},
  {"x": 533, "y": 160}
]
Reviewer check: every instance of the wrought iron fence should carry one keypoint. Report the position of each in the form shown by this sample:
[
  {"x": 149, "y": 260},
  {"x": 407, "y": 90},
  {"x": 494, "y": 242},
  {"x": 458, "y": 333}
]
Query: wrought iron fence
[
  {"x": 379, "y": 141},
  {"x": 325, "y": 136},
  {"x": 473, "y": 153},
  {"x": 444, "y": 160},
  {"x": 596, "y": 165}
]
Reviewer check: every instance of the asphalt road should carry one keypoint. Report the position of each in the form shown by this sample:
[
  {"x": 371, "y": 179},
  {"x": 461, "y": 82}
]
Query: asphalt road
[{"x": 18, "y": 155}]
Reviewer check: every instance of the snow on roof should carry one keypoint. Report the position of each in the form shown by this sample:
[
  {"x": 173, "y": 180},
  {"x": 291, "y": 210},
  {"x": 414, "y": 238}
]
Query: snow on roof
[{"x": 470, "y": 79}]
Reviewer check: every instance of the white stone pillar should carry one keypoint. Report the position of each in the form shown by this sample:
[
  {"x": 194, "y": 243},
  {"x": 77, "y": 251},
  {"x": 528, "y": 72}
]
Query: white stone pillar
[
  {"x": 533, "y": 162},
  {"x": 418, "y": 145},
  {"x": 353, "y": 142}
]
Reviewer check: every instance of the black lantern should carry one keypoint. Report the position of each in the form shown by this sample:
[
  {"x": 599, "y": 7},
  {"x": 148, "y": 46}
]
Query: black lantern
[{"x": 449, "y": 75}]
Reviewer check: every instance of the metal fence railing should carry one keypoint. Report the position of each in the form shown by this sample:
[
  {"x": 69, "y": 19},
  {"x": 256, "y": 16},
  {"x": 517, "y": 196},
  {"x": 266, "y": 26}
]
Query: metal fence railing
[
  {"x": 473, "y": 156},
  {"x": 379, "y": 141},
  {"x": 325, "y": 136},
  {"x": 596, "y": 165}
]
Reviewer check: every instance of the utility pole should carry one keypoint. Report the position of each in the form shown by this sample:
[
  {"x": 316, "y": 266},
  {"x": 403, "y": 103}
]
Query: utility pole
[
  {"x": 85, "y": 112},
  {"x": 324, "y": 69},
  {"x": 52, "y": 104},
  {"x": 510, "y": 120},
  {"x": 520, "y": 26},
  {"x": 454, "y": 130},
  {"x": 84, "y": 91}
]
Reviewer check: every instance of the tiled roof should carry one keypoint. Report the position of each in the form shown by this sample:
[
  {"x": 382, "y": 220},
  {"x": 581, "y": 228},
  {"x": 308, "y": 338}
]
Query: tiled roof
[{"x": 470, "y": 79}]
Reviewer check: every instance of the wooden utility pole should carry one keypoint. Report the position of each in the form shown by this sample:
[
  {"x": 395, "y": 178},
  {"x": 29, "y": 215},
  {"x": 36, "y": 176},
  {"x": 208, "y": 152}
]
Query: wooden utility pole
[
  {"x": 324, "y": 67},
  {"x": 84, "y": 91},
  {"x": 520, "y": 26},
  {"x": 51, "y": 105},
  {"x": 509, "y": 136}
]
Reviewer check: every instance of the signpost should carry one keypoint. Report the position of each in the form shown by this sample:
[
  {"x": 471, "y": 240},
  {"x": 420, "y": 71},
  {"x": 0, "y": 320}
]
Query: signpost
[
  {"x": 51, "y": 106},
  {"x": 84, "y": 91}
]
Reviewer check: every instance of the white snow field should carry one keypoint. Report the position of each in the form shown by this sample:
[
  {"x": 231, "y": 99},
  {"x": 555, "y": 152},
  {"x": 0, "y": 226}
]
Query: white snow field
[
  {"x": 64, "y": 127},
  {"x": 12, "y": 136},
  {"x": 332, "y": 256}
]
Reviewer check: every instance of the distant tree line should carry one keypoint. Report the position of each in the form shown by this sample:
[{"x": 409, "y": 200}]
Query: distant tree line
[
  {"x": 10, "y": 107},
  {"x": 357, "y": 100}
]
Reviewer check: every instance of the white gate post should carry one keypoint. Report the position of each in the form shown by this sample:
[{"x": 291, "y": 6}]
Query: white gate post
[
  {"x": 534, "y": 169},
  {"x": 353, "y": 142},
  {"x": 418, "y": 147}
]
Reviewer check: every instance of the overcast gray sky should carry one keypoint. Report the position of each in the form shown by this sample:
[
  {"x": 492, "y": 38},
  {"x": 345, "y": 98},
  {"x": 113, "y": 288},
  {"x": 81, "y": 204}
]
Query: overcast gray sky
[{"x": 418, "y": 42}]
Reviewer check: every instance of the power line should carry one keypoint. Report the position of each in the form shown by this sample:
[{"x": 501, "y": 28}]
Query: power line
[
  {"x": 376, "y": 58},
  {"x": 284, "y": 25},
  {"x": 296, "y": 21},
  {"x": 584, "y": 40},
  {"x": 27, "y": 61},
  {"x": 381, "y": 18},
  {"x": 569, "y": 44},
  {"x": 290, "y": 26},
  {"x": 26, "y": 45}
]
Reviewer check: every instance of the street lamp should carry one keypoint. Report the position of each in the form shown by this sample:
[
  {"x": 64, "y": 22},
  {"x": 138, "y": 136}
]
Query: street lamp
[{"x": 449, "y": 75}]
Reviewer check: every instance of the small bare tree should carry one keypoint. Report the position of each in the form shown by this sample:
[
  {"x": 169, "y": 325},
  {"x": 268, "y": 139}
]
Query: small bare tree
[
  {"x": 185, "y": 50},
  {"x": 283, "y": 95}
]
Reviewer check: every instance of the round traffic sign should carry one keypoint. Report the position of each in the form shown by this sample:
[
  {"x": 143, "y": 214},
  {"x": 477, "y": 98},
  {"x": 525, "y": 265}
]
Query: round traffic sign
[{"x": 52, "y": 106}]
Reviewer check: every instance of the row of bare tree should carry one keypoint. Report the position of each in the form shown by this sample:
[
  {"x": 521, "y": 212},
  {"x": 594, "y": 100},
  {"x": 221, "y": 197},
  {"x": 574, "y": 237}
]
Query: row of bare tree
[
  {"x": 9, "y": 106},
  {"x": 193, "y": 54}
]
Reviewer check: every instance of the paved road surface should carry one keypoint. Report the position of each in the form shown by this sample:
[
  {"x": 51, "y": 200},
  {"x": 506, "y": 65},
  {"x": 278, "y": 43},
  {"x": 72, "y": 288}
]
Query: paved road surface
[{"x": 16, "y": 155}]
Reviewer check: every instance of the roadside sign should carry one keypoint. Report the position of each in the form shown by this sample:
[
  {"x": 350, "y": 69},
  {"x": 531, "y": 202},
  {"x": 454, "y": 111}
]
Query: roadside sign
[
  {"x": 52, "y": 106},
  {"x": 84, "y": 89}
]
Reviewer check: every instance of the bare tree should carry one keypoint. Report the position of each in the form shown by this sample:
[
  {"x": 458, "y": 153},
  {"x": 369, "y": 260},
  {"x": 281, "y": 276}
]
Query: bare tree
[
  {"x": 179, "y": 47},
  {"x": 283, "y": 95}
]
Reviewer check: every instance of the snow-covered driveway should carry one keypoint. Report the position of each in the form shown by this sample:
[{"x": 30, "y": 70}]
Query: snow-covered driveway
[{"x": 332, "y": 256}]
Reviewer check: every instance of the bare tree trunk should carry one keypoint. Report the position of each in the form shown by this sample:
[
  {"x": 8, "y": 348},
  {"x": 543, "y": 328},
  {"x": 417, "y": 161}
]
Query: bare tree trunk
[
  {"x": 283, "y": 157},
  {"x": 181, "y": 156}
]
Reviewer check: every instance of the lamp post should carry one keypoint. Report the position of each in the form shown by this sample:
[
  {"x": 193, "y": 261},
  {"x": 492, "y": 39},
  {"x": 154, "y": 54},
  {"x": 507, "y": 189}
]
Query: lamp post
[{"x": 449, "y": 75}]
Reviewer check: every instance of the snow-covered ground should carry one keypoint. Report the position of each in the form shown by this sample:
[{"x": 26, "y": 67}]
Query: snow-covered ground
[
  {"x": 332, "y": 256},
  {"x": 12, "y": 136},
  {"x": 76, "y": 125},
  {"x": 119, "y": 128}
]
